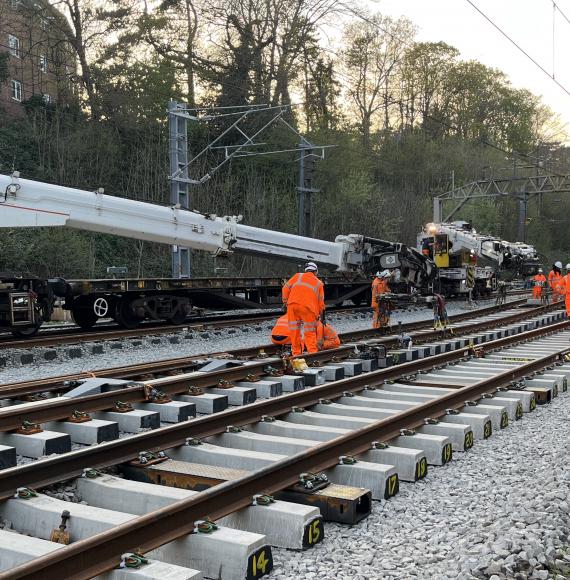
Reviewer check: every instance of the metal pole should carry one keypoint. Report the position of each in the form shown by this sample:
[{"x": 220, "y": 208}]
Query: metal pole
[
  {"x": 521, "y": 234},
  {"x": 178, "y": 155},
  {"x": 437, "y": 210}
]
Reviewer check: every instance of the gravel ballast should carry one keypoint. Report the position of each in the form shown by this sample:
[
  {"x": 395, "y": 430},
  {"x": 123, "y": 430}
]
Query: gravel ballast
[{"x": 500, "y": 511}]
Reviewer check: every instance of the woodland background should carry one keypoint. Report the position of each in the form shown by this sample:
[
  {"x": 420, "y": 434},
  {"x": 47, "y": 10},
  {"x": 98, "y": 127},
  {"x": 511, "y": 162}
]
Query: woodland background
[{"x": 403, "y": 115}]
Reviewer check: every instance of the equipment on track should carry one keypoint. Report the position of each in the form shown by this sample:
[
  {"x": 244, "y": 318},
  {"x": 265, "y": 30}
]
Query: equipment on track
[
  {"x": 27, "y": 302},
  {"x": 456, "y": 248}
]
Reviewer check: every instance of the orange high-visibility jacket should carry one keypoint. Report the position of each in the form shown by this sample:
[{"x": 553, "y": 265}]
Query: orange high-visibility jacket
[
  {"x": 305, "y": 289},
  {"x": 564, "y": 285},
  {"x": 539, "y": 280},
  {"x": 379, "y": 286},
  {"x": 554, "y": 279},
  {"x": 280, "y": 332},
  {"x": 327, "y": 336}
]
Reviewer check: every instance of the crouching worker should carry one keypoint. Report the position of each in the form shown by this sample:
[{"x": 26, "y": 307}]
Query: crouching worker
[
  {"x": 280, "y": 332},
  {"x": 326, "y": 334},
  {"x": 327, "y": 337}
]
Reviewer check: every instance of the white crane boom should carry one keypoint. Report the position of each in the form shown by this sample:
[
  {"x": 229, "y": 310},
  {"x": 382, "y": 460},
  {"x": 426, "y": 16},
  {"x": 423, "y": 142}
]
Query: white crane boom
[{"x": 26, "y": 203}]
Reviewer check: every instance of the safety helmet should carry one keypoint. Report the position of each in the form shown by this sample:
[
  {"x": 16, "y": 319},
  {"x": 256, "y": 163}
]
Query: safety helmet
[
  {"x": 378, "y": 274},
  {"x": 540, "y": 270},
  {"x": 558, "y": 265},
  {"x": 567, "y": 266},
  {"x": 385, "y": 274},
  {"x": 311, "y": 267}
]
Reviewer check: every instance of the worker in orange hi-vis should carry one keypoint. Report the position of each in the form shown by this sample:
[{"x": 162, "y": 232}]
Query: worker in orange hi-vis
[
  {"x": 326, "y": 334},
  {"x": 304, "y": 297},
  {"x": 564, "y": 287},
  {"x": 554, "y": 278},
  {"x": 538, "y": 283},
  {"x": 280, "y": 332},
  {"x": 379, "y": 287},
  {"x": 327, "y": 337}
]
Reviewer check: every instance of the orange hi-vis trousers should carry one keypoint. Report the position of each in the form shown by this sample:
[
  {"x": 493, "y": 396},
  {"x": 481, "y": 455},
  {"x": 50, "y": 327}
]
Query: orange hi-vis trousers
[
  {"x": 567, "y": 304},
  {"x": 302, "y": 321}
]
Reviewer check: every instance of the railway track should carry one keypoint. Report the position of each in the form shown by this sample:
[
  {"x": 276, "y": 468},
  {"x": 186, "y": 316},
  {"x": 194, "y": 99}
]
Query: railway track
[
  {"x": 450, "y": 397},
  {"x": 71, "y": 335},
  {"x": 105, "y": 331},
  {"x": 417, "y": 331}
]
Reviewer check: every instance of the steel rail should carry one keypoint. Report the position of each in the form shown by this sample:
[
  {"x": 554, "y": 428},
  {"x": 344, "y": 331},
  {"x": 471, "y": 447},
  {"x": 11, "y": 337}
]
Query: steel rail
[
  {"x": 13, "y": 417},
  {"x": 56, "y": 469},
  {"x": 132, "y": 371},
  {"x": 74, "y": 336},
  {"x": 95, "y": 555}
]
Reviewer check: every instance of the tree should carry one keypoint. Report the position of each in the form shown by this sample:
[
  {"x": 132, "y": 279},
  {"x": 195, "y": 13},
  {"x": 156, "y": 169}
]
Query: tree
[
  {"x": 322, "y": 92},
  {"x": 87, "y": 27},
  {"x": 173, "y": 30},
  {"x": 261, "y": 45},
  {"x": 425, "y": 69},
  {"x": 373, "y": 51}
]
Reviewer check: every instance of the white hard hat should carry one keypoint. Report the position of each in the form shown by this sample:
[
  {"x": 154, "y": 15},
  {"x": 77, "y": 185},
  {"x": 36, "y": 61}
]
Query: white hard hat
[
  {"x": 540, "y": 270},
  {"x": 385, "y": 274},
  {"x": 558, "y": 264},
  {"x": 378, "y": 274},
  {"x": 311, "y": 267},
  {"x": 567, "y": 266}
]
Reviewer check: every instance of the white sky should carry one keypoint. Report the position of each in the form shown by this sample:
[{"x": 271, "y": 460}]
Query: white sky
[{"x": 527, "y": 22}]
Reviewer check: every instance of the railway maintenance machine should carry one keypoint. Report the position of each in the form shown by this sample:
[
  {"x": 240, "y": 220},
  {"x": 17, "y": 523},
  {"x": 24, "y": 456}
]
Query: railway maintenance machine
[
  {"x": 468, "y": 261},
  {"x": 26, "y": 301}
]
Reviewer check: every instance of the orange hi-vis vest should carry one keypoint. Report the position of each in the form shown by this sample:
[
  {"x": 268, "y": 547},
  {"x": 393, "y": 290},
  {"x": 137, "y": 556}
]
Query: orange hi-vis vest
[
  {"x": 280, "y": 332},
  {"x": 379, "y": 286},
  {"x": 307, "y": 290},
  {"x": 554, "y": 279},
  {"x": 539, "y": 280},
  {"x": 327, "y": 337},
  {"x": 564, "y": 285}
]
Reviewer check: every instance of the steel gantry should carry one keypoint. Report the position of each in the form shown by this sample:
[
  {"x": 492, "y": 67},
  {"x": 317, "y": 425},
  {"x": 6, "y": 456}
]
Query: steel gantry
[{"x": 521, "y": 188}]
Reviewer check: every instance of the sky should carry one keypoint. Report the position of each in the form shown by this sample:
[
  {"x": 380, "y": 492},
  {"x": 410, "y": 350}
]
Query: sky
[{"x": 527, "y": 22}]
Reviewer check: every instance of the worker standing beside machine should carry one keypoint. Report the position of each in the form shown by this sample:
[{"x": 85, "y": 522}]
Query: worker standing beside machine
[
  {"x": 379, "y": 287},
  {"x": 304, "y": 297},
  {"x": 554, "y": 279},
  {"x": 538, "y": 284}
]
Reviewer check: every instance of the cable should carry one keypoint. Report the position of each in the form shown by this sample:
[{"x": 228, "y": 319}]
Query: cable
[
  {"x": 556, "y": 7},
  {"x": 503, "y": 33}
]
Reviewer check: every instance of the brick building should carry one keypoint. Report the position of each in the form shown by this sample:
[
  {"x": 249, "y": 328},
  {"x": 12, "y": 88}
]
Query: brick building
[{"x": 38, "y": 59}]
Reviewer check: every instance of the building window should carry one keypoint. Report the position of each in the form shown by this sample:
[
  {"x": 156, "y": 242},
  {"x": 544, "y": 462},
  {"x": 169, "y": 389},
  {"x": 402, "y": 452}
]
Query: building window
[
  {"x": 14, "y": 45},
  {"x": 46, "y": 98},
  {"x": 43, "y": 63},
  {"x": 17, "y": 91}
]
